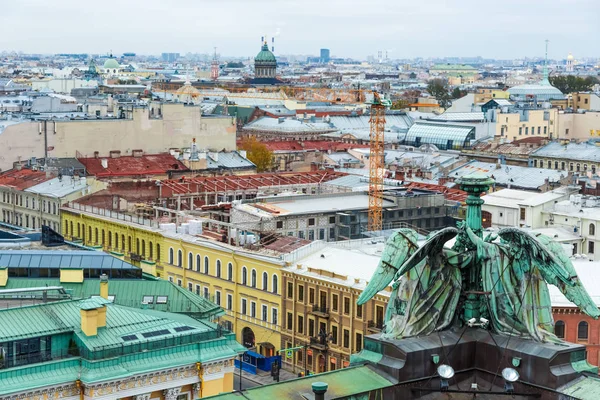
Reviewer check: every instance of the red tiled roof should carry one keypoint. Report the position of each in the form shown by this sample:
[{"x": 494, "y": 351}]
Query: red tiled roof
[
  {"x": 22, "y": 179},
  {"x": 311, "y": 145},
  {"x": 449, "y": 193},
  {"x": 152, "y": 164}
]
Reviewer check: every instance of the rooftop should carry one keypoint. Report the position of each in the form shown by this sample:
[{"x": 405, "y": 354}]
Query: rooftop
[
  {"x": 510, "y": 175},
  {"x": 21, "y": 179},
  {"x": 459, "y": 117},
  {"x": 443, "y": 136},
  {"x": 151, "y": 164},
  {"x": 60, "y": 187},
  {"x": 585, "y": 151},
  {"x": 287, "y": 125}
]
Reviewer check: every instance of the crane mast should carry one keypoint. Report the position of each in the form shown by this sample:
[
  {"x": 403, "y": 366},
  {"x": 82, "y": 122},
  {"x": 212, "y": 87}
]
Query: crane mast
[{"x": 376, "y": 163}]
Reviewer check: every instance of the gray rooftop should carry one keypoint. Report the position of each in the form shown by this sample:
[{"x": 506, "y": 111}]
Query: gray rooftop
[
  {"x": 571, "y": 151},
  {"x": 443, "y": 136}
]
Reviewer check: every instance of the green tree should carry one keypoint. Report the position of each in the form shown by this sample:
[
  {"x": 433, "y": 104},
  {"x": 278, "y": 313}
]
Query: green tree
[
  {"x": 571, "y": 83},
  {"x": 399, "y": 104},
  {"x": 258, "y": 153},
  {"x": 439, "y": 89},
  {"x": 457, "y": 93},
  {"x": 232, "y": 64},
  {"x": 412, "y": 75}
]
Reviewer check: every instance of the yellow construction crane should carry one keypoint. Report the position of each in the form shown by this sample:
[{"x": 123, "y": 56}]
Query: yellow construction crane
[{"x": 376, "y": 162}]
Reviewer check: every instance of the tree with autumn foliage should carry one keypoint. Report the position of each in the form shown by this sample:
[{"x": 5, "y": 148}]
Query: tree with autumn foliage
[{"x": 258, "y": 153}]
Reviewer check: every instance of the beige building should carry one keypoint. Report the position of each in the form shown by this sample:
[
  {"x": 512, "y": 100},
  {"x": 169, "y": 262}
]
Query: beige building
[
  {"x": 319, "y": 308},
  {"x": 516, "y": 125},
  {"x": 154, "y": 129},
  {"x": 579, "y": 126}
]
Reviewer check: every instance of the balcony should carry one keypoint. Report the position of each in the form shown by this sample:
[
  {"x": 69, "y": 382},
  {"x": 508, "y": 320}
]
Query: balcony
[
  {"x": 375, "y": 326},
  {"x": 320, "y": 311},
  {"x": 319, "y": 343}
]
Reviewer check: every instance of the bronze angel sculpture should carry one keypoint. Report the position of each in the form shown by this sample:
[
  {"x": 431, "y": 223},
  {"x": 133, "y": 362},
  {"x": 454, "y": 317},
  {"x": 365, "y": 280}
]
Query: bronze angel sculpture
[{"x": 503, "y": 280}]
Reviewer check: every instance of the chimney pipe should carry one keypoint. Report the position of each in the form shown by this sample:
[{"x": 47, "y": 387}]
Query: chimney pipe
[
  {"x": 104, "y": 286},
  {"x": 319, "y": 389}
]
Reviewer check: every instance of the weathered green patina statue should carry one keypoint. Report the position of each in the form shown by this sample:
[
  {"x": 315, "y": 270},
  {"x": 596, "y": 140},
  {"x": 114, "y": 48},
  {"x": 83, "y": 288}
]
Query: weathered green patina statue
[{"x": 503, "y": 280}]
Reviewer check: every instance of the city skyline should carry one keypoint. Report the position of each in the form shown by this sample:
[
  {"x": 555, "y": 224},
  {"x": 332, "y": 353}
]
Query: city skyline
[{"x": 349, "y": 29}]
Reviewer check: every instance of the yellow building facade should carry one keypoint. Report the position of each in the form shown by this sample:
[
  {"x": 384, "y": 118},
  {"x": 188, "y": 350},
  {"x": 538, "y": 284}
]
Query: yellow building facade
[
  {"x": 246, "y": 284},
  {"x": 536, "y": 123}
]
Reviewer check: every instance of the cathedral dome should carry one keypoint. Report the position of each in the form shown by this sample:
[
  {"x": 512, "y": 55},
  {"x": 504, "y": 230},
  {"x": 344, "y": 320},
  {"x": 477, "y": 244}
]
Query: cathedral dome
[
  {"x": 265, "y": 55},
  {"x": 111, "y": 63}
]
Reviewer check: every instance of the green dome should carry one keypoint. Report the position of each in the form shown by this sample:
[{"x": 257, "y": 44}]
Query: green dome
[
  {"x": 111, "y": 63},
  {"x": 265, "y": 55}
]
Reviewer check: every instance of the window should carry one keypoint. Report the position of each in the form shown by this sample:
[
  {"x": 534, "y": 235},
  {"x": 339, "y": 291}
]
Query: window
[
  {"x": 244, "y": 306},
  {"x": 253, "y": 309},
  {"x": 346, "y": 305},
  {"x": 274, "y": 288},
  {"x": 590, "y": 247},
  {"x": 229, "y": 301},
  {"x": 179, "y": 258},
  {"x": 300, "y": 326},
  {"x": 264, "y": 312},
  {"x": 179, "y": 282},
  {"x": 290, "y": 290},
  {"x": 334, "y": 302},
  {"x": 190, "y": 286},
  {"x": 358, "y": 342},
  {"x": 206, "y": 293},
  {"x": 244, "y": 276},
  {"x": 253, "y": 278},
  {"x": 161, "y": 299},
  {"x": 522, "y": 213},
  {"x": 592, "y": 229},
  {"x": 198, "y": 290},
  {"x": 311, "y": 221},
  {"x": 274, "y": 316},
  {"x": 332, "y": 220},
  {"x": 230, "y": 271},
  {"x": 198, "y": 262},
  {"x": 206, "y": 265},
  {"x": 539, "y": 130},
  {"x": 520, "y": 130},
  {"x": 157, "y": 252},
  {"x": 218, "y": 297},
  {"x": 566, "y": 131},
  {"x": 311, "y": 327},
  {"x": 190, "y": 260},
  {"x": 311, "y": 296},
  {"x": 321, "y": 234},
  {"x": 170, "y": 252},
  {"x": 301, "y": 293},
  {"x": 535, "y": 163},
  {"x": 359, "y": 312},
  {"x": 334, "y": 334},
  {"x": 527, "y": 130},
  {"x": 290, "y": 321},
  {"x": 218, "y": 271},
  {"x": 148, "y": 300},
  {"x": 346, "y": 342},
  {"x": 582, "y": 331},
  {"x": 279, "y": 224},
  {"x": 545, "y": 129},
  {"x": 559, "y": 329}
]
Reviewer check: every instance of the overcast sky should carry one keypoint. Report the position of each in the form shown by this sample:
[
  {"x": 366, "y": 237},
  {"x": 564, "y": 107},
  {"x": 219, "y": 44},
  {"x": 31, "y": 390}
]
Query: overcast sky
[{"x": 418, "y": 28}]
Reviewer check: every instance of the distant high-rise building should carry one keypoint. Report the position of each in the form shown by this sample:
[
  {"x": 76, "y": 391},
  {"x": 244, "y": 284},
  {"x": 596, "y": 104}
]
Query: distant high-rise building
[
  {"x": 324, "y": 55},
  {"x": 169, "y": 57}
]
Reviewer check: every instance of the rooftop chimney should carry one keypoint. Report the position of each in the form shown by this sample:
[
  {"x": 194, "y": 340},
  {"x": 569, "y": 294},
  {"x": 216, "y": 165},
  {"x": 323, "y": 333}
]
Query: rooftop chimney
[
  {"x": 104, "y": 286},
  {"x": 319, "y": 389},
  {"x": 93, "y": 315},
  {"x": 104, "y": 162}
]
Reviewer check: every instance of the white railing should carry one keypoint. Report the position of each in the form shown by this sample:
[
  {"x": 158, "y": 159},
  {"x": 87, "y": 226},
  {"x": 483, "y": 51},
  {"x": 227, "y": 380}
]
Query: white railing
[
  {"x": 112, "y": 214},
  {"x": 304, "y": 251}
]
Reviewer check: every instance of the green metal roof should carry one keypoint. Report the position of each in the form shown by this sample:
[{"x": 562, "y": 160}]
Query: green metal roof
[
  {"x": 585, "y": 388},
  {"x": 341, "y": 383},
  {"x": 131, "y": 292},
  {"x": 265, "y": 55}
]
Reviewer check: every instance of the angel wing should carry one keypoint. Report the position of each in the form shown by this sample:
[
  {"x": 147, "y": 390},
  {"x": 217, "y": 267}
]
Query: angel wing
[
  {"x": 432, "y": 247},
  {"x": 397, "y": 249},
  {"x": 537, "y": 251},
  {"x": 576, "y": 293}
]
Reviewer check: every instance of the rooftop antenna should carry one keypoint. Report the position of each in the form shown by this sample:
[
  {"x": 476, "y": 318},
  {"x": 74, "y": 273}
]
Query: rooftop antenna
[{"x": 273, "y": 44}]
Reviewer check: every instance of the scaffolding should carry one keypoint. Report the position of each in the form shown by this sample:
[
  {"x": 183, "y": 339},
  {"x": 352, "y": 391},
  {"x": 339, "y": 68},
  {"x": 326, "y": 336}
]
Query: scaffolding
[{"x": 376, "y": 163}]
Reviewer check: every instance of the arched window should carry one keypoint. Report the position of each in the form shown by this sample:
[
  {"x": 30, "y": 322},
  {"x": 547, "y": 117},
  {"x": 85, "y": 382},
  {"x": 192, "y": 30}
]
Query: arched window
[
  {"x": 559, "y": 329},
  {"x": 582, "y": 331},
  {"x": 592, "y": 229},
  {"x": 265, "y": 283},
  {"x": 171, "y": 255},
  {"x": 102, "y": 237},
  {"x": 143, "y": 247},
  {"x": 230, "y": 271},
  {"x": 157, "y": 252},
  {"x": 151, "y": 250},
  {"x": 123, "y": 245},
  {"x": 198, "y": 262},
  {"x": 137, "y": 245},
  {"x": 179, "y": 258},
  {"x": 206, "y": 265},
  {"x": 244, "y": 276},
  {"x": 110, "y": 239},
  {"x": 218, "y": 271},
  {"x": 91, "y": 238},
  {"x": 116, "y": 240},
  {"x": 190, "y": 260},
  {"x": 562, "y": 165},
  {"x": 129, "y": 247},
  {"x": 253, "y": 281},
  {"x": 591, "y": 247},
  {"x": 274, "y": 288},
  {"x": 555, "y": 164}
]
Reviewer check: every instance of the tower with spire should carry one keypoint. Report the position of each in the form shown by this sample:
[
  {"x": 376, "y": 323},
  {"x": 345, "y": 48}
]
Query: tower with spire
[
  {"x": 570, "y": 63},
  {"x": 214, "y": 67}
]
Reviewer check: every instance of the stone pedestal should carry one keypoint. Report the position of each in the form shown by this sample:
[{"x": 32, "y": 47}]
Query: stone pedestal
[{"x": 478, "y": 357}]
